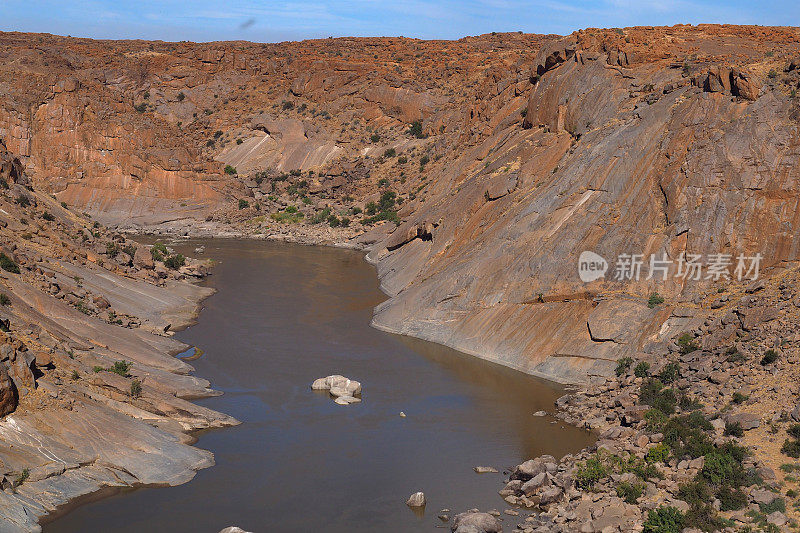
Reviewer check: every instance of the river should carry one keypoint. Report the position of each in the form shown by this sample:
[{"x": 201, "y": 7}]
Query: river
[{"x": 284, "y": 315}]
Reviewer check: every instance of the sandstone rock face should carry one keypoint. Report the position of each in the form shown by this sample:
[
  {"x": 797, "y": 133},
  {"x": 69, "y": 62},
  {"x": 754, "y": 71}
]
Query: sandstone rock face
[
  {"x": 70, "y": 315},
  {"x": 620, "y": 156}
]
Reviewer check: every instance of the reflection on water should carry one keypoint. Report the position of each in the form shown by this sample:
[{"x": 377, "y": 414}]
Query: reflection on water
[{"x": 286, "y": 315}]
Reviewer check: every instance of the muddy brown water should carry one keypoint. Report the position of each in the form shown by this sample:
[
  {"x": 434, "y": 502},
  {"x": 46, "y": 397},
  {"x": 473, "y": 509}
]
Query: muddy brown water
[{"x": 284, "y": 315}]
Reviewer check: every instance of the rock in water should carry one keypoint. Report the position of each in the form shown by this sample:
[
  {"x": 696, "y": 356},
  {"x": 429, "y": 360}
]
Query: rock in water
[
  {"x": 416, "y": 500},
  {"x": 344, "y": 390},
  {"x": 476, "y": 523},
  {"x": 233, "y": 529},
  {"x": 485, "y": 470}
]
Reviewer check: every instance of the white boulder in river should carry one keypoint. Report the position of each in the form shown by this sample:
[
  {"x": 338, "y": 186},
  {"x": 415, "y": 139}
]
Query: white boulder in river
[
  {"x": 344, "y": 390},
  {"x": 416, "y": 500}
]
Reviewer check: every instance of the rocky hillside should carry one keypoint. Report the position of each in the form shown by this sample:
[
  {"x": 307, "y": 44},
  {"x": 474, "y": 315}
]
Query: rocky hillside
[
  {"x": 476, "y": 171},
  {"x": 90, "y": 391}
]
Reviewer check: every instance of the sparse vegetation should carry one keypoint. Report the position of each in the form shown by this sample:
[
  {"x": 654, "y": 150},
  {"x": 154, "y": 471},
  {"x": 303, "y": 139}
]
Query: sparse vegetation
[
  {"x": 770, "y": 356},
  {"x": 687, "y": 344},
  {"x": 175, "y": 261},
  {"x": 8, "y": 264},
  {"x": 655, "y": 300},
  {"x": 136, "y": 388},
  {"x": 623, "y": 365},
  {"x": 230, "y": 170},
  {"x": 642, "y": 369}
]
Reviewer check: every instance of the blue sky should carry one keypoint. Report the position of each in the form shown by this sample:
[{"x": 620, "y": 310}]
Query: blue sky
[{"x": 269, "y": 21}]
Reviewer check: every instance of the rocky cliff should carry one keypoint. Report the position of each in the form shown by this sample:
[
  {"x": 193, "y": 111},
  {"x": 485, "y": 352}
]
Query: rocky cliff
[
  {"x": 90, "y": 391},
  {"x": 476, "y": 171}
]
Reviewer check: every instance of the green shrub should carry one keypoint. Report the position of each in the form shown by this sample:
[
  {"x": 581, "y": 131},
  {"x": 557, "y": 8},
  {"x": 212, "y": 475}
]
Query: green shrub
[
  {"x": 642, "y": 369},
  {"x": 230, "y": 170},
  {"x": 75, "y": 375},
  {"x": 778, "y": 504},
  {"x": 64, "y": 205},
  {"x": 589, "y": 473},
  {"x": 735, "y": 356},
  {"x": 687, "y": 403},
  {"x": 175, "y": 261},
  {"x": 112, "y": 249},
  {"x": 665, "y": 519},
  {"x": 655, "y": 419},
  {"x": 655, "y": 300},
  {"x": 658, "y": 454},
  {"x": 723, "y": 466},
  {"x": 23, "y": 476},
  {"x": 623, "y": 365},
  {"x": 375, "y": 137},
  {"x": 321, "y": 216},
  {"x": 243, "y": 204},
  {"x": 48, "y": 217},
  {"x": 4, "y": 299},
  {"x": 670, "y": 373},
  {"x": 345, "y": 222},
  {"x": 794, "y": 431},
  {"x": 731, "y": 499},
  {"x": 416, "y": 130},
  {"x": 141, "y": 108},
  {"x": 770, "y": 356},
  {"x": 158, "y": 251},
  {"x": 287, "y": 105},
  {"x": 97, "y": 368},
  {"x": 424, "y": 160},
  {"x": 687, "y": 344},
  {"x": 402, "y": 160},
  {"x": 739, "y": 398},
  {"x": 652, "y": 393},
  {"x": 181, "y": 96},
  {"x": 120, "y": 367},
  {"x": 389, "y": 152},
  {"x": 734, "y": 429},
  {"x": 290, "y": 215},
  {"x": 333, "y": 221},
  {"x": 630, "y": 492},
  {"x": 136, "y": 388},
  {"x": 8, "y": 264},
  {"x": 791, "y": 448},
  {"x": 695, "y": 493}
]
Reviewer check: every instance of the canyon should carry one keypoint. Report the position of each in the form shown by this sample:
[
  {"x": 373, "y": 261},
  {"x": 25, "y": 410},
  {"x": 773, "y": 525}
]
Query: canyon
[{"x": 473, "y": 174}]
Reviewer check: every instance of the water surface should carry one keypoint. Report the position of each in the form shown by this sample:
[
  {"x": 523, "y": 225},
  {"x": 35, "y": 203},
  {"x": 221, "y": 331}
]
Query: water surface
[{"x": 285, "y": 315}]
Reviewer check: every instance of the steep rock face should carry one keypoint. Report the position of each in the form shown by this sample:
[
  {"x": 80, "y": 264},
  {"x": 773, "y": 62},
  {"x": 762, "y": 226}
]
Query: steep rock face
[{"x": 619, "y": 157}]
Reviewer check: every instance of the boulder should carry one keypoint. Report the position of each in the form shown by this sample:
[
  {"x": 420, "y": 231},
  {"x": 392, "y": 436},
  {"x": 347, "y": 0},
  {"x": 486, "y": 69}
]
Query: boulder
[
  {"x": 416, "y": 500},
  {"x": 9, "y": 397},
  {"x": 143, "y": 258},
  {"x": 473, "y": 522}
]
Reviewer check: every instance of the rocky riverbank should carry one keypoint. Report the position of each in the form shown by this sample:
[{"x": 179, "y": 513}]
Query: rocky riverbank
[
  {"x": 700, "y": 436},
  {"x": 92, "y": 394}
]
